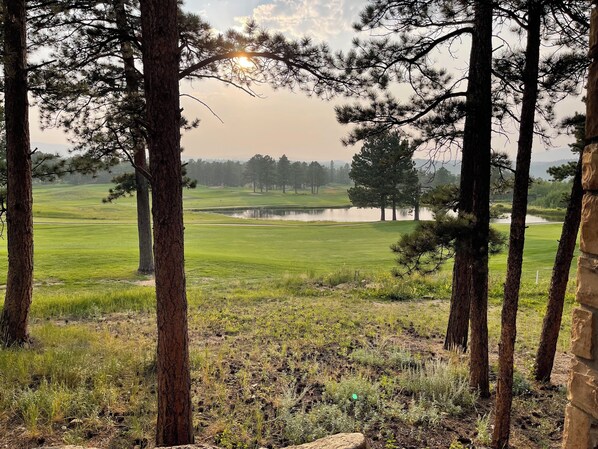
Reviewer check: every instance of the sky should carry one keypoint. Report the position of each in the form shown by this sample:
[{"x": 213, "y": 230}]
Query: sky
[{"x": 279, "y": 122}]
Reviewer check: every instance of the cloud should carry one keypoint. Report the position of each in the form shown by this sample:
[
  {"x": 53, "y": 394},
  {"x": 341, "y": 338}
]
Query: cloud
[{"x": 320, "y": 19}]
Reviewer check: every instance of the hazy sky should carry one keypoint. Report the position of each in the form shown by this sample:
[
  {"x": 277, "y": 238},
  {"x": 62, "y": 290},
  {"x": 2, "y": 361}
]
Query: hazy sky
[{"x": 280, "y": 122}]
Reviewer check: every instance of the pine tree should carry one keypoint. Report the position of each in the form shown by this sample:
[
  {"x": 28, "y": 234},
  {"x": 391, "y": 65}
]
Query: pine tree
[
  {"x": 564, "y": 255},
  {"x": 19, "y": 284}
]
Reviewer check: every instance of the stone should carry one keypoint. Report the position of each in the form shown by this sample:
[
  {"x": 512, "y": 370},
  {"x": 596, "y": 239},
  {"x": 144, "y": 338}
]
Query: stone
[
  {"x": 589, "y": 168},
  {"x": 338, "y": 441},
  {"x": 587, "y": 280},
  {"x": 582, "y": 332},
  {"x": 580, "y": 430},
  {"x": 588, "y": 238},
  {"x": 583, "y": 388}
]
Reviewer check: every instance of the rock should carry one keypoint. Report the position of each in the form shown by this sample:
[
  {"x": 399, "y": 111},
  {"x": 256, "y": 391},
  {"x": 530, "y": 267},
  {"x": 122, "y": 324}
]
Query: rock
[
  {"x": 588, "y": 236},
  {"x": 589, "y": 177},
  {"x": 587, "y": 280},
  {"x": 583, "y": 388},
  {"x": 580, "y": 430},
  {"x": 582, "y": 332},
  {"x": 339, "y": 441}
]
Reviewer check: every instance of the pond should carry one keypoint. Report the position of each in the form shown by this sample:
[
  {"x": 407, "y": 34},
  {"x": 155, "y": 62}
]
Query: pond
[{"x": 345, "y": 214}]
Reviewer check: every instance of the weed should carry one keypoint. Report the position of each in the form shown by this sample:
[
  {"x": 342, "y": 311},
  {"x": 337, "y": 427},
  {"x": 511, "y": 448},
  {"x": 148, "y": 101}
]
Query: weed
[
  {"x": 521, "y": 385},
  {"x": 394, "y": 358},
  {"x": 482, "y": 427},
  {"x": 420, "y": 413},
  {"x": 322, "y": 420},
  {"x": 355, "y": 396},
  {"x": 441, "y": 384}
]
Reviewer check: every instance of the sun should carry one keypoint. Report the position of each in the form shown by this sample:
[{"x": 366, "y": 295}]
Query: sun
[{"x": 245, "y": 63}]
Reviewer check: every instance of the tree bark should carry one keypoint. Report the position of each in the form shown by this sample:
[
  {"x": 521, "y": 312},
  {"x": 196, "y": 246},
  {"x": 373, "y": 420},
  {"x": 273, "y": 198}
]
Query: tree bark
[
  {"x": 458, "y": 324},
  {"x": 558, "y": 282},
  {"x": 19, "y": 284},
  {"x": 383, "y": 211},
  {"x": 478, "y": 133},
  {"x": 394, "y": 208},
  {"x": 144, "y": 222},
  {"x": 161, "y": 62},
  {"x": 504, "y": 387}
]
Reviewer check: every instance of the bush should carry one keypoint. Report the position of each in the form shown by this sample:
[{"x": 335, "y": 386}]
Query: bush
[
  {"x": 320, "y": 421},
  {"x": 439, "y": 384}
]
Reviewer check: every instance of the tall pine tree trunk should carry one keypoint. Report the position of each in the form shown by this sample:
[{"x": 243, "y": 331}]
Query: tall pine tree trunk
[
  {"x": 161, "y": 63},
  {"x": 394, "y": 208},
  {"x": 458, "y": 323},
  {"x": 558, "y": 282},
  {"x": 144, "y": 222},
  {"x": 478, "y": 133},
  {"x": 504, "y": 387},
  {"x": 19, "y": 284}
]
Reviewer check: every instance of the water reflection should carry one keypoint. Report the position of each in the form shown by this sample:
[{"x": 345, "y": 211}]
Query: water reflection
[{"x": 348, "y": 215}]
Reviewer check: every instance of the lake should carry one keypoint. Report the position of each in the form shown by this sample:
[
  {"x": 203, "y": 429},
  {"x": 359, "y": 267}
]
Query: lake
[{"x": 346, "y": 214}]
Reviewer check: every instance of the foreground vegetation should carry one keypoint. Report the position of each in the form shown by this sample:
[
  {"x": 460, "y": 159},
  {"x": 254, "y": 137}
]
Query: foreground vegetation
[{"x": 297, "y": 330}]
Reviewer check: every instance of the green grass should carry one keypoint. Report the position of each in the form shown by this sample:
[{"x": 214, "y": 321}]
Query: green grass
[
  {"x": 65, "y": 201},
  {"x": 287, "y": 321}
]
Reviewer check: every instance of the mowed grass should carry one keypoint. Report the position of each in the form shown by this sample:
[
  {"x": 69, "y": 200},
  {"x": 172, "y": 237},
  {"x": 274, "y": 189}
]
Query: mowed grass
[
  {"x": 288, "y": 321},
  {"x": 85, "y": 201},
  {"x": 79, "y": 239}
]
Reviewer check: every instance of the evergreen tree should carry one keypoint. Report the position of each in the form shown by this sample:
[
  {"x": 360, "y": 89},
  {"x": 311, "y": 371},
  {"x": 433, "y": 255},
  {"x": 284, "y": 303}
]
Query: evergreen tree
[
  {"x": 161, "y": 63},
  {"x": 297, "y": 176},
  {"x": 564, "y": 255},
  {"x": 19, "y": 284},
  {"x": 379, "y": 170},
  {"x": 283, "y": 169}
]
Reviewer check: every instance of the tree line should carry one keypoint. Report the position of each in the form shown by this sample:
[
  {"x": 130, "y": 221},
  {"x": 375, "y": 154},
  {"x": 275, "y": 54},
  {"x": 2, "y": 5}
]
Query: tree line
[{"x": 264, "y": 173}]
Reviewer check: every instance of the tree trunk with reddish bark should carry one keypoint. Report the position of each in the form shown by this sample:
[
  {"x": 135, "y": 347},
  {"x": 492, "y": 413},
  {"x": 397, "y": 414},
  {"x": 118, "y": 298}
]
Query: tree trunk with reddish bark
[
  {"x": 558, "y": 282},
  {"x": 504, "y": 387},
  {"x": 161, "y": 63},
  {"x": 19, "y": 284},
  {"x": 478, "y": 133},
  {"x": 133, "y": 86}
]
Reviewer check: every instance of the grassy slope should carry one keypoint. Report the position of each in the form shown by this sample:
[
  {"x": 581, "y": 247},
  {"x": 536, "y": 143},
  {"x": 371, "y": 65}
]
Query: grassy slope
[
  {"x": 73, "y": 240},
  {"x": 275, "y": 310}
]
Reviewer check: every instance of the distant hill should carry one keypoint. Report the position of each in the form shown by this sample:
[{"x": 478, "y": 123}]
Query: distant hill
[{"x": 537, "y": 169}]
